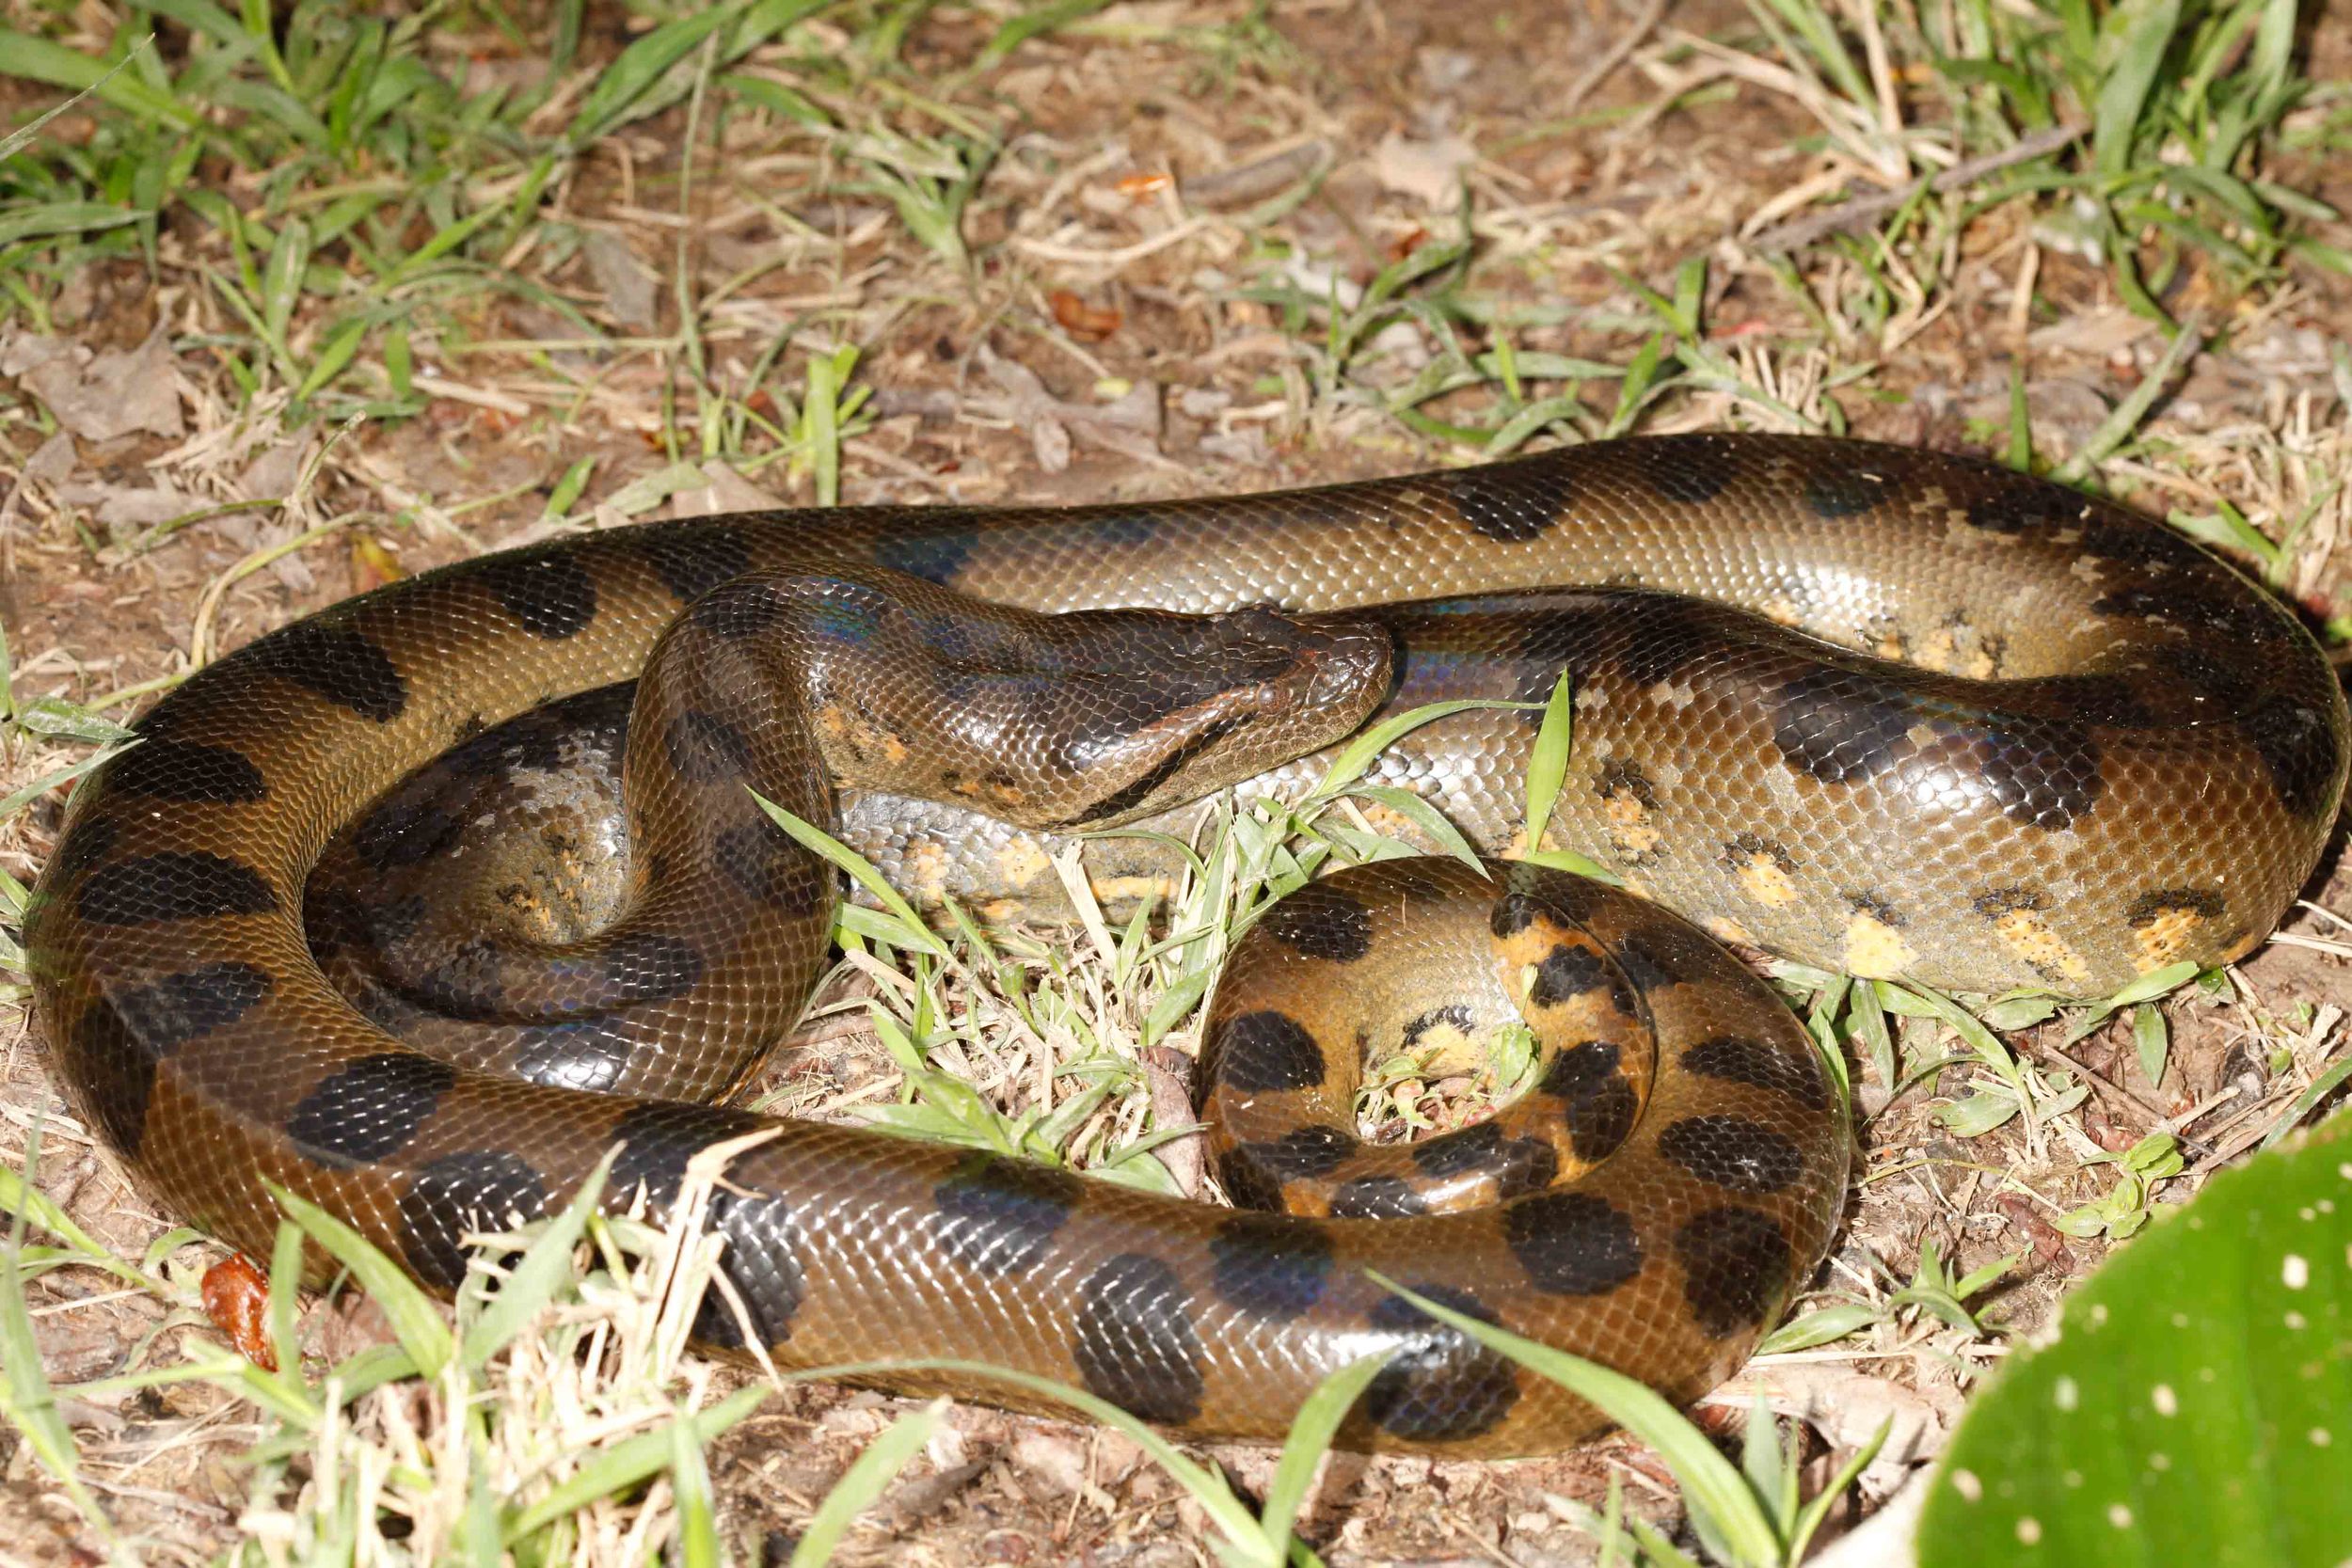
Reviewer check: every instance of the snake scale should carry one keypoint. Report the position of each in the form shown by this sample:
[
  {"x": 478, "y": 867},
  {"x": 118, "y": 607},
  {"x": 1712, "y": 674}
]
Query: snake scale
[{"x": 1886, "y": 710}]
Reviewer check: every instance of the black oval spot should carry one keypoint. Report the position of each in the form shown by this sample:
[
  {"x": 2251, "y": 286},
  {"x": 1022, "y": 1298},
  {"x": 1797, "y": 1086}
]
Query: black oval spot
[
  {"x": 546, "y": 591},
  {"x": 1323, "y": 921},
  {"x": 1441, "y": 1385},
  {"x": 121, "y": 1038},
  {"x": 1600, "y": 1121},
  {"x": 934, "y": 558},
  {"x": 187, "y": 770},
  {"x": 475, "y": 1191},
  {"x": 1472, "y": 1149},
  {"x": 2149, "y": 908},
  {"x": 1507, "y": 514},
  {"x": 1667, "y": 641},
  {"x": 1253, "y": 1173},
  {"x": 1246, "y": 1183},
  {"x": 1567, "y": 973},
  {"x": 1580, "y": 1071},
  {"x": 1272, "y": 1266},
  {"x": 1737, "y": 1058},
  {"x": 2300, "y": 747},
  {"x": 1687, "y": 470},
  {"x": 1265, "y": 1051},
  {"x": 659, "y": 1136},
  {"x": 1572, "y": 1244},
  {"x": 334, "y": 663},
  {"x": 705, "y": 749},
  {"x": 692, "y": 559},
  {"x": 2043, "y": 774},
  {"x": 647, "y": 966},
  {"x": 1135, "y": 1345},
  {"x": 1525, "y": 1165},
  {"x": 1835, "y": 492},
  {"x": 2012, "y": 509},
  {"x": 762, "y": 1260},
  {"x": 409, "y": 828},
  {"x": 999, "y": 1215},
  {"x": 1662, "y": 954},
  {"x": 1736, "y": 1265},
  {"x": 175, "y": 884},
  {"x": 369, "y": 1108},
  {"x": 1376, "y": 1197},
  {"x": 1733, "y": 1152},
  {"x": 763, "y": 863},
  {"x": 1841, "y": 727},
  {"x": 734, "y": 610}
]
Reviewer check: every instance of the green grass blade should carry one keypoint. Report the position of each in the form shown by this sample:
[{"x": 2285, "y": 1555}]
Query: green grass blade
[
  {"x": 862, "y": 1483},
  {"x": 417, "y": 1319},
  {"x": 1711, "y": 1485},
  {"x": 1317, "y": 1423}
]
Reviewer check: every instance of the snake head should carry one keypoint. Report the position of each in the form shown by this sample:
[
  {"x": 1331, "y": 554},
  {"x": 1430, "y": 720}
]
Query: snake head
[{"x": 1177, "y": 707}]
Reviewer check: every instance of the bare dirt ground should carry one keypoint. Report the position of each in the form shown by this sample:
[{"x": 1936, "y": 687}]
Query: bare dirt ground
[{"x": 1102, "y": 345}]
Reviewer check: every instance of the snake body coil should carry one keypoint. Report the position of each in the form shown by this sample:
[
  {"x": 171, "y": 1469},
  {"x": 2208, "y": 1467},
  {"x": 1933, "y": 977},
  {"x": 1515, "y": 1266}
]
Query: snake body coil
[{"x": 1917, "y": 717}]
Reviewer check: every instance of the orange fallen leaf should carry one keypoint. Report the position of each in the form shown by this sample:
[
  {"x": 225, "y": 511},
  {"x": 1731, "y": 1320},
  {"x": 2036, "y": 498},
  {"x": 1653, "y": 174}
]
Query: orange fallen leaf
[
  {"x": 371, "y": 564},
  {"x": 1081, "y": 320},
  {"x": 236, "y": 1298},
  {"x": 1142, "y": 187}
]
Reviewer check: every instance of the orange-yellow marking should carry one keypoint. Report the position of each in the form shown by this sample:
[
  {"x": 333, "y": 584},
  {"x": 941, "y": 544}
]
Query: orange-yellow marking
[
  {"x": 1874, "y": 949},
  {"x": 2032, "y": 938}
]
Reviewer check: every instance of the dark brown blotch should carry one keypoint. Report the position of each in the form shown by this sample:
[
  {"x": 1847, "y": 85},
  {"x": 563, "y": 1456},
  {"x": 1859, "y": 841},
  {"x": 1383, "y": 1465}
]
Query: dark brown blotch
[
  {"x": 1321, "y": 921},
  {"x": 1687, "y": 470},
  {"x": 175, "y": 884},
  {"x": 369, "y": 1108},
  {"x": 1733, "y": 1152},
  {"x": 162, "y": 770},
  {"x": 760, "y": 861},
  {"x": 1746, "y": 849},
  {"x": 2149, "y": 908},
  {"x": 1441, "y": 1386},
  {"x": 1839, "y": 491},
  {"x": 1668, "y": 953},
  {"x": 1254, "y": 1174},
  {"x": 1735, "y": 1268},
  {"x": 762, "y": 1260},
  {"x": 334, "y": 663},
  {"x": 1272, "y": 1266},
  {"x": 1567, "y": 973},
  {"x": 659, "y": 1136},
  {"x": 1452, "y": 1015},
  {"x": 1504, "y": 512},
  {"x": 475, "y": 1191},
  {"x": 648, "y": 966},
  {"x": 1135, "y": 1345},
  {"x": 705, "y": 749},
  {"x": 1472, "y": 1151},
  {"x": 1264, "y": 1051},
  {"x": 1376, "y": 1197},
  {"x": 585, "y": 1057},
  {"x": 998, "y": 1215},
  {"x": 2300, "y": 749},
  {"x": 547, "y": 591},
  {"x": 1572, "y": 1244},
  {"x": 123, "y": 1036},
  {"x": 1598, "y": 1105},
  {"x": 692, "y": 559},
  {"x": 1740, "y": 1059},
  {"x": 1840, "y": 726},
  {"x": 934, "y": 557}
]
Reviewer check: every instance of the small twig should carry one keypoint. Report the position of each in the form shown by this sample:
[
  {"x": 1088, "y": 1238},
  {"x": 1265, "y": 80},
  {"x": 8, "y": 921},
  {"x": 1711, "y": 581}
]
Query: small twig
[
  {"x": 1651, "y": 16},
  {"x": 2108, "y": 1088},
  {"x": 1862, "y": 210}
]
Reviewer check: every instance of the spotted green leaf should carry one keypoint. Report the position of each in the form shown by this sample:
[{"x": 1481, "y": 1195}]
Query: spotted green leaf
[{"x": 2197, "y": 1406}]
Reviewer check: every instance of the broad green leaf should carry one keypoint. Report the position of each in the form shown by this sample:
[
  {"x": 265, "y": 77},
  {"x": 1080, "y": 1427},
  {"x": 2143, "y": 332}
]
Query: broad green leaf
[{"x": 2196, "y": 1404}]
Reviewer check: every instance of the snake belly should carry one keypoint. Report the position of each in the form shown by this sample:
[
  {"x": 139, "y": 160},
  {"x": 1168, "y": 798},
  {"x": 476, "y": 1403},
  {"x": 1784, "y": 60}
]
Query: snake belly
[{"x": 1896, "y": 712}]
